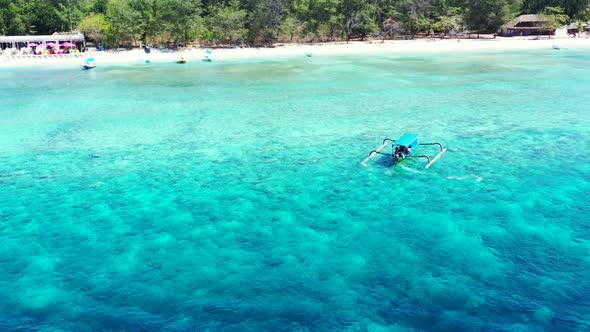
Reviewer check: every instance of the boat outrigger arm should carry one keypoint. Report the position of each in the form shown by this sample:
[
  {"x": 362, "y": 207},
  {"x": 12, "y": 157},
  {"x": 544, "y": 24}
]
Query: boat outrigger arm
[
  {"x": 403, "y": 148},
  {"x": 439, "y": 154},
  {"x": 378, "y": 150}
]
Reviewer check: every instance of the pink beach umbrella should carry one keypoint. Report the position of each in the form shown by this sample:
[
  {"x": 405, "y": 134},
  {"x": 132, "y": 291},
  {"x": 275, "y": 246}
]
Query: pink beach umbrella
[
  {"x": 52, "y": 44},
  {"x": 68, "y": 44},
  {"x": 33, "y": 44}
]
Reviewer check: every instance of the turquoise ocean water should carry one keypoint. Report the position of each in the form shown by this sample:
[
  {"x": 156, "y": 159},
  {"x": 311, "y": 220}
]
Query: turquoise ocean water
[{"x": 230, "y": 195}]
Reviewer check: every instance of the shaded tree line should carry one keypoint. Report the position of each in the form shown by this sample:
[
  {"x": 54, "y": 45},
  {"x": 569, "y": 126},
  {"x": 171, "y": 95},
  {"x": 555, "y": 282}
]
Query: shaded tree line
[{"x": 255, "y": 22}]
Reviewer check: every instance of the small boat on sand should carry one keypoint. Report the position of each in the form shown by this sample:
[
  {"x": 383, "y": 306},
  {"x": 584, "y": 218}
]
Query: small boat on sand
[
  {"x": 405, "y": 147},
  {"x": 182, "y": 60},
  {"x": 208, "y": 56}
]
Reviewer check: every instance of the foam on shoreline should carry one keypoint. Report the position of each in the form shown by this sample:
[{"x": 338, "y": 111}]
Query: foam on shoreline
[{"x": 324, "y": 49}]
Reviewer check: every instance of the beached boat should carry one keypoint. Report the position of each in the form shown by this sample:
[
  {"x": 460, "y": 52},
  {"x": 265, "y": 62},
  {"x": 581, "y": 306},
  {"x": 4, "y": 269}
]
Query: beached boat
[
  {"x": 405, "y": 147},
  {"x": 89, "y": 63},
  {"x": 182, "y": 60},
  {"x": 208, "y": 56}
]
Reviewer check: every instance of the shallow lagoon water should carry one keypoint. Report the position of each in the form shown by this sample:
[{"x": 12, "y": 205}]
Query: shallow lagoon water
[{"x": 230, "y": 195}]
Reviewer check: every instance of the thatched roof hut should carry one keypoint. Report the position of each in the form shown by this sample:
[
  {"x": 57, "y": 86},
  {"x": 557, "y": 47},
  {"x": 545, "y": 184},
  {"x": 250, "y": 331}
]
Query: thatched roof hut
[
  {"x": 527, "y": 25},
  {"x": 575, "y": 27}
]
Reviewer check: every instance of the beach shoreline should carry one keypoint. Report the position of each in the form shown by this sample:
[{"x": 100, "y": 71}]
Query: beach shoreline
[{"x": 367, "y": 48}]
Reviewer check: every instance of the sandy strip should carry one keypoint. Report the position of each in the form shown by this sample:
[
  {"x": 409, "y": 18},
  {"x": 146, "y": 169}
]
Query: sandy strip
[{"x": 325, "y": 49}]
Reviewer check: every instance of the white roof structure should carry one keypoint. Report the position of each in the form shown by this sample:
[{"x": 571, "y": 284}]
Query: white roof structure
[{"x": 56, "y": 37}]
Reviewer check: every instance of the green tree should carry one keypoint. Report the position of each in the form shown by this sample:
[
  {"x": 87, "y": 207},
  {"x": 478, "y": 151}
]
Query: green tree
[
  {"x": 291, "y": 27},
  {"x": 485, "y": 15},
  {"x": 585, "y": 14},
  {"x": 412, "y": 16},
  {"x": 390, "y": 28},
  {"x": 358, "y": 17},
  {"x": 2, "y": 23},
  {"x": 69, "y": 14},
  {"x": 572, "y": 8},
  {"x": 95, "y": 27},
  {"x": 556, "y": 17},
  {"x": 321, "y": 17},
  {"x": 452, "y": 22},
  {"x": 38, "y": 17},
  {"x": 99, "y": 6},
  {"x": 123, "y": 22},
  {"x": 13, "y": 23},
  {"x": 515, "y": 8},
  {"x": 264, "y": 19},
  {"x": 149, "y": 21},
  {"x": 182, "y": 19},
  {"x": 227, "y": 23}
]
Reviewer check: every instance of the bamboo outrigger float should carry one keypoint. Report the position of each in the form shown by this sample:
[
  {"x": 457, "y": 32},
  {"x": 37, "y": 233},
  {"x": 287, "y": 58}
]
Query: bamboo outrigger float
[{"x": 405, "y": 147}]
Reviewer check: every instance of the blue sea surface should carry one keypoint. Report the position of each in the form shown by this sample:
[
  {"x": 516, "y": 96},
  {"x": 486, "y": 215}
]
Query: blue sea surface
[{"x": 230, "y": 196}]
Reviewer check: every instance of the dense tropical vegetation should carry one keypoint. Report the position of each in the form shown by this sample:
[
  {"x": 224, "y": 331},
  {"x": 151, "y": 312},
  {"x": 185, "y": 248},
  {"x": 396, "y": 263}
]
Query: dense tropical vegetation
[{"x": 117, "y": 22}]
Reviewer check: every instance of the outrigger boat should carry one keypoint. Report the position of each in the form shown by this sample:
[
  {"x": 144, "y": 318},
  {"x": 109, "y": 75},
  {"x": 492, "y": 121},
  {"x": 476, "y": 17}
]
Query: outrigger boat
[{"x": 405, "y": 147}]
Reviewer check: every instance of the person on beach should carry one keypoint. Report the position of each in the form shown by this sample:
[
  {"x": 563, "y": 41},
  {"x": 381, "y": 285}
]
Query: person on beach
[{"x": 398, "y": 154}]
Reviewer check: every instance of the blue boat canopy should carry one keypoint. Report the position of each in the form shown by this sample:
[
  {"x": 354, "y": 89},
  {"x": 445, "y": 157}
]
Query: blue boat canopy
[
  {"x": 407, "y": 140},
  {"x": 90, "y": 60}
]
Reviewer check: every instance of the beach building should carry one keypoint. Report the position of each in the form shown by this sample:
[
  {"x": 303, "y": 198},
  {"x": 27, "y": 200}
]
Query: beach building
[
  {"x": 527, "y": 25},
  {"x": 574, "y": 28},
  {"x": 18, "y": 42}
]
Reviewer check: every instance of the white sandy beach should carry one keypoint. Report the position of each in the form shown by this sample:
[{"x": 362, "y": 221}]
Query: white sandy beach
[{"x": 324, "y": 49}]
